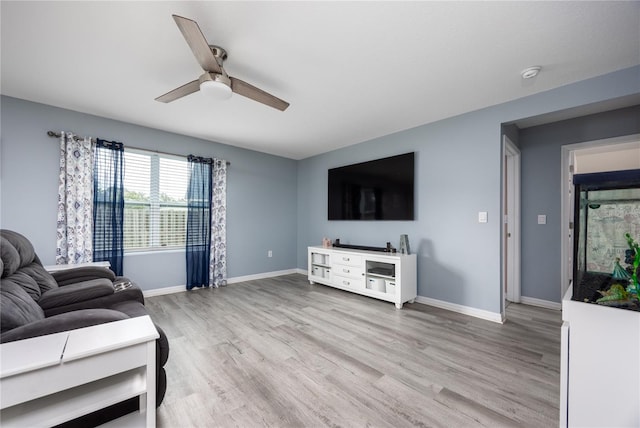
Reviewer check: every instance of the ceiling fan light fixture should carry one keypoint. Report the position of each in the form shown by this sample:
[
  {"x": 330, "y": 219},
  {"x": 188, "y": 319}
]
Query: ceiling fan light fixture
[{"x": 215, "y": 87}]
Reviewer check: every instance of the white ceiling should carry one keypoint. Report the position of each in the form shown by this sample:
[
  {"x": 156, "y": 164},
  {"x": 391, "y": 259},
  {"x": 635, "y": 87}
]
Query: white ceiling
[{"x": 352, "y": 71}]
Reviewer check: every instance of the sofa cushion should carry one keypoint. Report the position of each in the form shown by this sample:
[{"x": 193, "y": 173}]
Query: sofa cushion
[
  {"x": 74, "y": 293},
  {"x": 44, "y": 279},
  {"x": 22, "y": 245},
  {"x": 17, "y": 308},
  {"x": 10, "y": 257},
  {"x": 27, "y": 283},
  {"x": 18, "y": 255}
]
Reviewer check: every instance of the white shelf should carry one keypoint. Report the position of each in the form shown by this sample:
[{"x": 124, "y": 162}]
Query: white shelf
[
  {"x": 135, "y": 419},
  {"x": 53, "y": 409},
  {"x": 321, "y": 265},
  {"x": 377, "y": 275}
]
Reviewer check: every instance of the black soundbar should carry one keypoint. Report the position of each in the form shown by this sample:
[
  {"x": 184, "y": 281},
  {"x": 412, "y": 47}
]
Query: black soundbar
[{"x": 387, "y": 249}]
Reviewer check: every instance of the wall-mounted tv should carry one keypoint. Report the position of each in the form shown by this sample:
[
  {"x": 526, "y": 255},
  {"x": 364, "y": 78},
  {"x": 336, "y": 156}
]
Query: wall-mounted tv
[{"x": 380, "y": 189}]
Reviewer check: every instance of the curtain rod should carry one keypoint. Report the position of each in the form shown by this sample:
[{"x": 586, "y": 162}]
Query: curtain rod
[
  {"x": 76, "y": 138},
  {"x": 57, "y": 135}
]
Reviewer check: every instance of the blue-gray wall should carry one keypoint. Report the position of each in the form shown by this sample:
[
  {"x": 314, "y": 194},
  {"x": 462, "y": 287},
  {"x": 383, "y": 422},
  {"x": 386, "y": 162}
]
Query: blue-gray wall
[
  {"x": 540, "y": 149},
  {"x": 261, "y": 192},
  {"x": 458, "y": 174}
]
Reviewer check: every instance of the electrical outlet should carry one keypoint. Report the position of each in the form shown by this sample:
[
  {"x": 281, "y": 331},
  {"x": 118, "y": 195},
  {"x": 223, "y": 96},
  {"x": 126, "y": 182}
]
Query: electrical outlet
[
  {"x": 482, "y": 217},
  {"x": 269, "y": 253}
]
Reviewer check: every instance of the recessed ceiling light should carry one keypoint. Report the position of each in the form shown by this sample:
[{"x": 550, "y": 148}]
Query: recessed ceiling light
[{"x": 530, "y": 72}]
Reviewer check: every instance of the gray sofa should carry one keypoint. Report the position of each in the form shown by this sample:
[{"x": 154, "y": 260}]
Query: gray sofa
[{"x": 34, "y": 302}]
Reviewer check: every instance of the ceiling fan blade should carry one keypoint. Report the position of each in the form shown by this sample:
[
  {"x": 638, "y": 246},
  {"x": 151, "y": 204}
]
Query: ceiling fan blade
[
  {"x": 186, "y": 89},
  {"x": 198, "y": 44},
  {"x": 256, "y": 94}
]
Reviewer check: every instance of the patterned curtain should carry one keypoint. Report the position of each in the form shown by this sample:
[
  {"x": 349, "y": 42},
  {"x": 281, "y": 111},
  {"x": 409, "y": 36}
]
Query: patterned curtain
[
  {"x": 198, "y": 246},
  {"x": 108, "y": 204},
  {"x": 218, "y": 257},
  {"x": 75, "y": 199}
]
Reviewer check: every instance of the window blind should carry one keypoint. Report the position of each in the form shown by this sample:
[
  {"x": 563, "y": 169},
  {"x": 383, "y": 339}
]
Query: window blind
[{"x": 155, "y": 201}]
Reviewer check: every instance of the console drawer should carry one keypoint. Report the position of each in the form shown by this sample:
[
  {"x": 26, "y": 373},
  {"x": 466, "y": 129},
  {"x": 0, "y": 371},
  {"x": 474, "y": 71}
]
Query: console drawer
[
  {"x": 344, "y": 281},
  {"x": 347, "y": 259},
  {"x": 348, "y": 271}
]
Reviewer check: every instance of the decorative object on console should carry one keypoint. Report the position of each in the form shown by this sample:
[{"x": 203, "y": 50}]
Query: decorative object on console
[
  {"x": 404, "y": 244},
  {"x": 326, "y": 242},
  {"x": 388, "y": 249}
]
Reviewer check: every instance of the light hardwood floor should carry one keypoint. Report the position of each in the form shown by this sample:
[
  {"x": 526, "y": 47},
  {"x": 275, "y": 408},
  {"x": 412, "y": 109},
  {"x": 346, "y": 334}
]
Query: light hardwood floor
[{"x": 280, "y": 352}]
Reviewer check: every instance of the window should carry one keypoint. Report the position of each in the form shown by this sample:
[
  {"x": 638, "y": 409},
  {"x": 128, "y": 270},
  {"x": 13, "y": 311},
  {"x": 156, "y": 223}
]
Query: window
[{"x": 155, "y": 201}]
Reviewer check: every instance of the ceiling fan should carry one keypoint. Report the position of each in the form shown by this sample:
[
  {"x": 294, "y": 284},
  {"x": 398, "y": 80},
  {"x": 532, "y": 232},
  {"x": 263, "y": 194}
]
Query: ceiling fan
[{"x": 214, "y": 79}]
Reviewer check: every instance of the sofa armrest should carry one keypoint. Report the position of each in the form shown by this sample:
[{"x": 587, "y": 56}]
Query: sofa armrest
[
  {"x": 82, "y": 273},
  {"x": 74, "y": 293},
  {"x": 62, "y": 322}
]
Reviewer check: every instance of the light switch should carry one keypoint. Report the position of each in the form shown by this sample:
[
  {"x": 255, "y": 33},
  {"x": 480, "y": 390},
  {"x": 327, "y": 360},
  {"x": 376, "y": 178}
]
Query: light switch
[
  {"x": 482, "y": 217},
  {"x": 542, "y": 219}
]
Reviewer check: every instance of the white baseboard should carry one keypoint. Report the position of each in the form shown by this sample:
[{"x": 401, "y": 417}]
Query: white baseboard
[
  {"x": 260, "y": 276},
  {"x": 532, "y": 301},
  {"x": 302, "y": 272},
  {"x": 164, "y": 290},
  {"x": 179, "y": 288},
  {"x": 466, "y": 310}
]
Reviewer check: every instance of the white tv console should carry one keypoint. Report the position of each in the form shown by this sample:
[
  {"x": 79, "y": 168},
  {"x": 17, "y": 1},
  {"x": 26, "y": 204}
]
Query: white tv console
[{"x": 385, "y": 276}]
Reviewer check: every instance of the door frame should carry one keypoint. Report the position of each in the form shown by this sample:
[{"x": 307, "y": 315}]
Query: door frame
[
  {"x": 510, "y": 205},
  {"x": 567, "y": 202}
]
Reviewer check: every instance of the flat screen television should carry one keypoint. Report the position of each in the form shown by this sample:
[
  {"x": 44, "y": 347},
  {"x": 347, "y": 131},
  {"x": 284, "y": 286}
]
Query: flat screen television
[{"x": 380, "y": 189}]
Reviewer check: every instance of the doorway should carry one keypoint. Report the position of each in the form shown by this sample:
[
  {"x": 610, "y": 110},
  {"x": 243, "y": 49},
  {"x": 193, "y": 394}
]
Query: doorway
[{"x": 511, "y": 223}]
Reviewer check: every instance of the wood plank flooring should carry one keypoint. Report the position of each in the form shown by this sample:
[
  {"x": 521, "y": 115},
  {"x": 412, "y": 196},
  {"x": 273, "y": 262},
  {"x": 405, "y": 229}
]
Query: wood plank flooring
[{"x": 282, "y": 353}]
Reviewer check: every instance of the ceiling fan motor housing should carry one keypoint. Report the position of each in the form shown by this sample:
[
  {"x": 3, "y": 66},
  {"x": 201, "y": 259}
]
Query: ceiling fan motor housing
[
  {"x": 215, "y": 77},
  {"x": 218, "y": 52}
]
